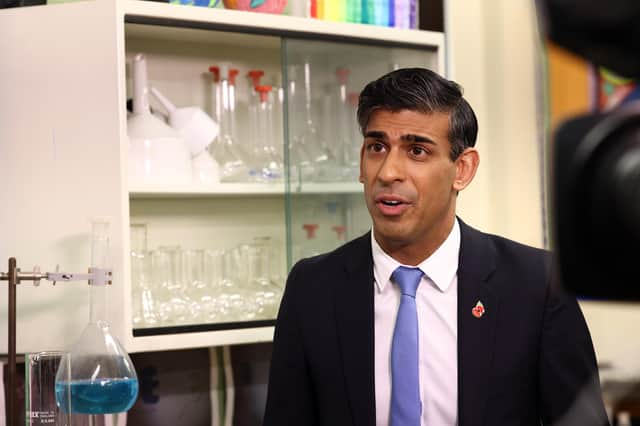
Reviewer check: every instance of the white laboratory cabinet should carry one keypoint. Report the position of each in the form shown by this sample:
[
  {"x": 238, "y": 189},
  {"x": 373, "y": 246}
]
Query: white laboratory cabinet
[{"x": 65, "y": 77}]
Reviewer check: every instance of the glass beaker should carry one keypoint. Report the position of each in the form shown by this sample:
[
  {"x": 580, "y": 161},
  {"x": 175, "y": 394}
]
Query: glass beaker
[
  {"x": 40, "y": 404},
  {"x": 97, "y": 376}
]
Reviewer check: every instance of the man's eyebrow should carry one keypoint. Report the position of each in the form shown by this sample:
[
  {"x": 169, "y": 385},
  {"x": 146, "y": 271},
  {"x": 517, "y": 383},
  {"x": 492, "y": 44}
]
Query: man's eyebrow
[
  {"x": 417, "y": 138},
  {"x": 375, "y": 134},
  {"x": 410, "y": 137}
]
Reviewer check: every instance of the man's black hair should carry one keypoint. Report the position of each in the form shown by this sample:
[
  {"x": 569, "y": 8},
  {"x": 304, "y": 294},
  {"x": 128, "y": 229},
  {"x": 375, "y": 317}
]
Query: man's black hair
[{"x": 421, "y": 90}]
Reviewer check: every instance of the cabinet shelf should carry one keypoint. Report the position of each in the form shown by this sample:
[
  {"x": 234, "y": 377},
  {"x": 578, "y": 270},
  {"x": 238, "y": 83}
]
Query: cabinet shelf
[
  {"x": 216, "y": 190},
  {"x": 241, "y": 190},
  {"x": 327, "y": 188},
  {"x": 195, "y": 328},
  {"x": 200, "y": 338}
]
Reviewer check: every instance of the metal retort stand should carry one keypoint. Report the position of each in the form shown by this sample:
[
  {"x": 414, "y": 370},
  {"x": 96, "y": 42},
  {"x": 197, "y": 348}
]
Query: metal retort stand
[{"x": 15, "y": 277}]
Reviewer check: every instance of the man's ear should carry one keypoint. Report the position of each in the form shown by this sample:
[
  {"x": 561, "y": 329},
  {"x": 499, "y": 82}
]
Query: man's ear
[
  {"x": 361, "y": 177},
  {"x": 466, "y": 166}
]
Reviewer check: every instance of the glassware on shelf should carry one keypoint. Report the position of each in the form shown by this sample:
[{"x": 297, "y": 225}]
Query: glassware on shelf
[
  {"x": 268, "y": 162},
  {"x": 198, "y": 131},
  {"x": 352, "y": 150},
  {"x": 254, "y": 77},
  {"x": 266, "y": 295},
  {"x": 266, "y": 135},
  {"x": 341, "y": 232},
  {"x": 215, "y": 107},
  {"x": 342, "y": 121},
  {"x": 97, "y": 376},
  {"x": 309, "y": 245},
  {"x": 175, "y": 307},
  {"x": 157, "y": 153},
  {"x": 213, "y": 278},
  {"x": 277, "y": 262},
  {"x": 233, "y": 303},
  {"x": 40, "y": 390},
  {"x": 143, "y": 302},
  {"x": 320, "y": 225},
  {"x": 196, "y": 287},
  {"x": 214, "y": 268},
  {"x": 334, "y": 231},
  {"x": 278, "y": 120},
  {"x": 227, "y": 150},
  {"x": 308, "y": 150}
]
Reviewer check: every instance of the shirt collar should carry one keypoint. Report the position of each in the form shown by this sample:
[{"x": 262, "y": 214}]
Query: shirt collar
[{"x": 440, "y": 267}]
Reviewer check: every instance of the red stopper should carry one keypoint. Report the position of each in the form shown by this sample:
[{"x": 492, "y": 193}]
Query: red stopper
[
  {"x": 342, "y": 74},
  {"x": 233, "y": 73},
  {"x": 311, "y": 229},
  {"x": 255, "y": 76},
  {"x": 264, "y": 92},
  {"x": 216, "y": 73},
  {"x": 340, "y": 231}
]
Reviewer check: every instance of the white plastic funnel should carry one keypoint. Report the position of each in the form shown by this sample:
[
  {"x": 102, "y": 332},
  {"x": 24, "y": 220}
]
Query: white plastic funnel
[
  {"x": 157, "y": 153},
  {"x": 192, "y": 123}
]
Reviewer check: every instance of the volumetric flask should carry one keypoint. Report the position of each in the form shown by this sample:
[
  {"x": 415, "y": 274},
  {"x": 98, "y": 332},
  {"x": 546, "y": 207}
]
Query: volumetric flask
[
  {"x": 227, "y": 150},
  {"x": 97, "y": 376}
]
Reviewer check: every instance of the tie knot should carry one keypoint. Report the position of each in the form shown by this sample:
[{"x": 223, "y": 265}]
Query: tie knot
[{"x": 408, "y": 279}]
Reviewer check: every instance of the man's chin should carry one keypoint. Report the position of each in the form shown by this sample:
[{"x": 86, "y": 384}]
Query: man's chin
[{"x": 391, "y": 235}]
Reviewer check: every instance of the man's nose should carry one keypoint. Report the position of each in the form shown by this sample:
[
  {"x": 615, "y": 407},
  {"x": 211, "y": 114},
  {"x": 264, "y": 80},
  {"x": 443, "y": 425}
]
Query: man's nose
[{"x": 392, "y": 168}]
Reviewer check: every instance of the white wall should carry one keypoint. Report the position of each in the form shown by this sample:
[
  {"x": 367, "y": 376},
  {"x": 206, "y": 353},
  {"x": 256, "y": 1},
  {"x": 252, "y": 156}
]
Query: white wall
[{"x": 492, "y": 53}]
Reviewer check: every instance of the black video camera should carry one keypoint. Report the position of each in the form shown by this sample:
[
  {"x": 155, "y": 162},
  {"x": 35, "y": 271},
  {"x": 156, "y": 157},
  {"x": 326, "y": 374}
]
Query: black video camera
[{"x": 596, "y": 158}]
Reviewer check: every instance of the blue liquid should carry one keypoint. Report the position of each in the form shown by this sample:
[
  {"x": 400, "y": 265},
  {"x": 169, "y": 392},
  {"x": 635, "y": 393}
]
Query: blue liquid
[{"x": 98, "y": 397}]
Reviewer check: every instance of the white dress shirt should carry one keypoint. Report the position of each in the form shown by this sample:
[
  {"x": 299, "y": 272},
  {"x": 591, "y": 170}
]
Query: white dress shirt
[{"x": 437, "y": 306}]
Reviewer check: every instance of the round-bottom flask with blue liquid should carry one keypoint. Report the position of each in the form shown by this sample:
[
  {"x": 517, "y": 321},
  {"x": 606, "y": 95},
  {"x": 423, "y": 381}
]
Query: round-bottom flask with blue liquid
[
  {"x": 94, "y": 381},
  {"x": 97, "y": 376}
]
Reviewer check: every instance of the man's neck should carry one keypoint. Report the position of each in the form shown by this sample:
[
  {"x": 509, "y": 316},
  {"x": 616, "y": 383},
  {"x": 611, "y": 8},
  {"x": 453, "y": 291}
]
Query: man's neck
[{"x": 415, "y": 252}]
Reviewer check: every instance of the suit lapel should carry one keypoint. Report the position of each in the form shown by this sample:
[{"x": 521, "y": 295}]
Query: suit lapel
[
  {"x": 475, "y": 335},
  {"x": 354, "y": 321}
]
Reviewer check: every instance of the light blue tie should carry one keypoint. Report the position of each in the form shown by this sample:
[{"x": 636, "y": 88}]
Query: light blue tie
[{"x": 406, "y": 407}]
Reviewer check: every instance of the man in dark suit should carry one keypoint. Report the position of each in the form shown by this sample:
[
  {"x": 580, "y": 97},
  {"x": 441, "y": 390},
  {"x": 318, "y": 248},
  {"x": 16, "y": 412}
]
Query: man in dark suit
[{"x": 425, "y": 321}]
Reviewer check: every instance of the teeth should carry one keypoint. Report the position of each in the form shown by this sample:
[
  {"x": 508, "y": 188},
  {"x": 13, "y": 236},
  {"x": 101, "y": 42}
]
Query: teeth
[{"x": 391, "y": 203}]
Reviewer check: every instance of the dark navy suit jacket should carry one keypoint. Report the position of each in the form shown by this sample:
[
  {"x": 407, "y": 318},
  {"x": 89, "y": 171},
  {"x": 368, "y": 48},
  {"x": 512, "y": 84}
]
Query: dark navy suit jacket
[{"x": 528, "y": 360}]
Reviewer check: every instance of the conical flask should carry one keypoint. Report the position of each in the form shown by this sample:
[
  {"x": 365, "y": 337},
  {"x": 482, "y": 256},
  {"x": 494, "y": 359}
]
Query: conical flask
[{"x": 97, "y": 376}]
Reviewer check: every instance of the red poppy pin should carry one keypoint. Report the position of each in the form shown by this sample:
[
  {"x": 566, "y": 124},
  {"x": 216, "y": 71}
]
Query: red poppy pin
[{"x": 478, "y": 310}]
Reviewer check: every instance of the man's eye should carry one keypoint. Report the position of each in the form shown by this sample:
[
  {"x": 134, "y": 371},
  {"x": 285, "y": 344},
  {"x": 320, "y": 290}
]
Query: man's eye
[
  {"x": 418, "y": 150},
  {"x": 376, "y": 147}
]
